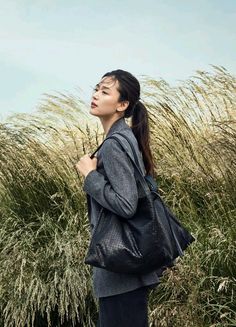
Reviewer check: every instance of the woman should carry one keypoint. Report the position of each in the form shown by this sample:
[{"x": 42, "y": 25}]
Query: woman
[{"x": 110, "y": 182}]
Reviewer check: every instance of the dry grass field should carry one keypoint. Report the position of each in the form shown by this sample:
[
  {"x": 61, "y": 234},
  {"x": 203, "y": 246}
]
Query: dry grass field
[{"x": 44, "y": 228}]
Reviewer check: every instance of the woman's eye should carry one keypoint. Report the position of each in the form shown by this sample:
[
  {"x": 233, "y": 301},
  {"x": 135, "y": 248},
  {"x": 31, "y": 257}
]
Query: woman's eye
[{"x": 95, "y": 90}]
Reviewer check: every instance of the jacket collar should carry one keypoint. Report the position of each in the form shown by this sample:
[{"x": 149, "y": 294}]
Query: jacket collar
[{"x": 119, "y": 124}]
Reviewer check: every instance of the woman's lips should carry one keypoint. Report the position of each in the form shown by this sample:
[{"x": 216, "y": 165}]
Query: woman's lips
[{"x": 93, "y": 105}]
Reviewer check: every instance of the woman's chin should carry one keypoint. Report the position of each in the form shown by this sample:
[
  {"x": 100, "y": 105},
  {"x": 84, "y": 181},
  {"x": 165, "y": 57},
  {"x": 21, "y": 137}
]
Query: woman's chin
[{"x": 93, "y": 111}]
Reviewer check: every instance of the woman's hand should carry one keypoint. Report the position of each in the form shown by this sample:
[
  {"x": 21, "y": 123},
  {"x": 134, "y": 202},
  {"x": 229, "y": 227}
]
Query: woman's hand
[{"x": 86, "y": 164}]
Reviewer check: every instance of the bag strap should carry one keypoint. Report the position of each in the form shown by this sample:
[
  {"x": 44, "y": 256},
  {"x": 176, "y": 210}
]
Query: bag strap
[
  {"x": 133, "y": 150},
  {"x": 141, "y": 177},
  {"x": 148, "y": 178},
  {"x": 136, "y": 165}
]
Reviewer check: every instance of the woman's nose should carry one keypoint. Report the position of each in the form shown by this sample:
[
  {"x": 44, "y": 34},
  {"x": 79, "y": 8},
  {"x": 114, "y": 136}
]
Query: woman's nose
[{"x": 94, "y": 95}]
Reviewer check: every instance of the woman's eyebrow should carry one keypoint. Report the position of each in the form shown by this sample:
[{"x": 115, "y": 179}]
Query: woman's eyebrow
[{"x": 104, "y": 87}]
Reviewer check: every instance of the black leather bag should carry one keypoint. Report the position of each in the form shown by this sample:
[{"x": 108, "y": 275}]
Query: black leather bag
[{"x": 151, "y": 239}]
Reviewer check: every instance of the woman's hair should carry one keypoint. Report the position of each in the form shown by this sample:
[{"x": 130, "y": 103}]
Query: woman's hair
[{"x": 129, "y": 89}]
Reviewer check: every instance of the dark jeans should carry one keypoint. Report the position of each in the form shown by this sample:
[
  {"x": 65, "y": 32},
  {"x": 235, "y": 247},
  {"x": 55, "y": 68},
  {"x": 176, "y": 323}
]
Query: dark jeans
[{"x": 124, "y": 310}]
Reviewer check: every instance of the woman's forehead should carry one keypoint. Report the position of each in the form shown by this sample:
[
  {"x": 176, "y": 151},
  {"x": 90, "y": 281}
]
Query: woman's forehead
[{"x": 108, "y": 81}]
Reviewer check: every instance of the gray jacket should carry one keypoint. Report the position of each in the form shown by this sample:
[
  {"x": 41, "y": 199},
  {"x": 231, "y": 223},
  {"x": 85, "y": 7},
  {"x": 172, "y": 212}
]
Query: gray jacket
[{"x": 113, "y": 186}]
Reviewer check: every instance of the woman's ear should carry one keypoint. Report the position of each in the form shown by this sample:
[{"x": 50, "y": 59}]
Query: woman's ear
[{"x": 123, "y": 106}]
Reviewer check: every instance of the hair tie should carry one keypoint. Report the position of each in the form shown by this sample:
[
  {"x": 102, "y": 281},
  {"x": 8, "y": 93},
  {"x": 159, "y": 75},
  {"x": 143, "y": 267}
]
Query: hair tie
[{"x": 137, "y": 102}]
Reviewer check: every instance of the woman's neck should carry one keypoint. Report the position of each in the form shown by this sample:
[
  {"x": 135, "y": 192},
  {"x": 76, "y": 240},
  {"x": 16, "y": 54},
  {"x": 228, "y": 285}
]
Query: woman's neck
[{"x": 107, "y": 123}]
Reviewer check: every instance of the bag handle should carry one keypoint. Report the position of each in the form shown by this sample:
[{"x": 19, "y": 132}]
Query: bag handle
[
  {"x": 142, "y": 179},
  {"x": 148, "y": 178}
]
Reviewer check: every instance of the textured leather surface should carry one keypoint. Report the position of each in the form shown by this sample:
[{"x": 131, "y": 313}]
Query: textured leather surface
[{"x": 143, "y": 242}]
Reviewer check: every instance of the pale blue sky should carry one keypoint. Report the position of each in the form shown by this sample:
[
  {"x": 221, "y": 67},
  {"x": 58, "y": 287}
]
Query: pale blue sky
[{"x": 63, "y": 45}]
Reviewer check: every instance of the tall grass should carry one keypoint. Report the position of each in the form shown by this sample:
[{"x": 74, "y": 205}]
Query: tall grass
[{"x": 44, "y": 231}]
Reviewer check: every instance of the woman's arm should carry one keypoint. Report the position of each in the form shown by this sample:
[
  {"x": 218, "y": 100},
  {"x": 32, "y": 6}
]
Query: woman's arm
[{"x": 117, "y": 191}]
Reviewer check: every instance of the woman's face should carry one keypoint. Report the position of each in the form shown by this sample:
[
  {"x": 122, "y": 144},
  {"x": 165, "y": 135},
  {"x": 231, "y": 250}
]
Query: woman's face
[{"x": 105, "y": 97}]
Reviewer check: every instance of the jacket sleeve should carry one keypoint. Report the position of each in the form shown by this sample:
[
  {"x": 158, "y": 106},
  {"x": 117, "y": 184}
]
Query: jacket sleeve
[{"x": 117, "y": 190}]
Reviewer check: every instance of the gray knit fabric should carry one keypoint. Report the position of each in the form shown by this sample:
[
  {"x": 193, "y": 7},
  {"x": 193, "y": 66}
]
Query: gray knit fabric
[{"x": 113, "y": 186}]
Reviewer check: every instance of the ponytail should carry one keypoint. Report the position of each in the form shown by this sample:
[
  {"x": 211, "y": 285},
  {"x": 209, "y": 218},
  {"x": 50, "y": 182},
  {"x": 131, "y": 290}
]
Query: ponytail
[{"x": 140, "y": 128}]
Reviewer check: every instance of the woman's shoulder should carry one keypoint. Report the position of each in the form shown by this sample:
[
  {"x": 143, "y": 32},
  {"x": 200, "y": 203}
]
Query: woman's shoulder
[
  {"x": 125, "y": 136},
  {"x": 127, "y": 143}
]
